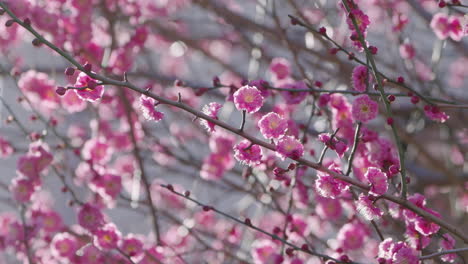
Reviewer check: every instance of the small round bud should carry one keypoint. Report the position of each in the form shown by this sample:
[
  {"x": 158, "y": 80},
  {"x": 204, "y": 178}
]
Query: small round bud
[
  {"x": 87, "y": 67},
  {"x": 27, "y": 22},
  {"x": 216, "y": 81},
  {"x": 323, "y": 31},
  {"x": 207, "y": 208},
  {"x": 442, "y": 4},
  {"x": 414, "y": 99},
  {"x": 290, "y": 252},
  {"x": 294, "y": 21},
  {"x": 389, "y": 121},
  {"x": 92, "y": 84},
  {"x": 391, "y": 98},
  {"x": 351, "y": 56},
  {"x": 334, "y": 51},
  {"x": 170, "y": 187},
  {"x": 178, "y": 83},
  {"x": 53, "y": 122},
  {"x": 248, "y": 222},
  {"x": 61, "y": 90},
  {"x": 373, "y": 50},
  {"x": 9, "y": 23},
  {"x": 36, "y": 42},
  {"x": 69, "y": 71},
  {"x": 400, "y": 79},
  {"x": 318, "y": 84},
  {"x": 292, "y": 166},
  {"x": 345, "y": 258}
]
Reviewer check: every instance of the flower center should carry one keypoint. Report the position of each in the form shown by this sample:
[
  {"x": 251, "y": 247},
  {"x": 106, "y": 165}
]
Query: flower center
[
  {"x": 365, "y": 108},
  {"x": 249, "y": 98}
]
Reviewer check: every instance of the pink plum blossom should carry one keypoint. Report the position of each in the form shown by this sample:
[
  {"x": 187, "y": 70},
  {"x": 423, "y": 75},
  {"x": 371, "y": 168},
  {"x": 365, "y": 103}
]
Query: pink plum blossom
[
  {"x": 210, "y": 110},
  {"x": 248, "y": 98},
  {"x": 272, "y": 125},
  {"x": 280, "y": 67},
  {"x": 90, "y": 217},
  {"x": 360, "y": 78},
  {"x": 367, "y": 209},
  {"x": 364, "y": 109},
  {"x": 92, "y": 92},
  {"x": 148, "y": 108},
  {"x": 64, "y": 246},
  {"x": 248, "y": 153},
  {"x": 107, "y": 237},
  {"x": 378, "y": 181},
  {"x": 289, "y": 147}
]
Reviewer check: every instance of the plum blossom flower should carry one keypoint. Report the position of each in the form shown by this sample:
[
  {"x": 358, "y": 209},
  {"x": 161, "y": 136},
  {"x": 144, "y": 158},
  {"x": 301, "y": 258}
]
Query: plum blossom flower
[
  {"x": 425, "y": 227},
  {"x": 333, "y": 143},
  {"x": 215, "y": 165},
  {"x": 294, "y": 97},
  {"x": 64, "y": 246},
  {"x": 49, "y": 220},
  {"x": 107, "y": 237},
  {"x": 364, "y": 109},
  {"x": 265, "y": 251},
  {"x": 360, "y": 78},
  {"x": 362, "y": 20},
  {"x": 147, "y": 106},
  {"x": 367, "y": 209},
  {"x": 447, "y": 26},
  {"x": 248, "y": 98},
  {"x": 97, "y": 151},
  {"x": 40, "y": 90},
  {"x": 132, "y": 246},
  {"x": 328, "y": 208},
  {"x": 447, "y": 242},
  {"x": 90, "y": 217},
  {"x": 93, "y": 91},
  {"x": 378, "y": 181},
  {"x": 248, "y": 153},
  {"x": 35, "y": 161},
  {"x": 434, "y": 113},
  {"x": 210, "y": 110},
  {"x": 272, "y": 125},
  {"x": 407, "y": 51},
  {"x": 289, "y": 147},
  {"x": 108, "y": 185},
  {"x": 351, "y": 236},
  {"x": 22, "y": 189},
  {"x": 328, "y": 186},
  {"x": 92, "y": 255},
  {"x": 397, "y": 252},
  {"x": 5, "y": 148},
  {"x": 280, "y": 67}
]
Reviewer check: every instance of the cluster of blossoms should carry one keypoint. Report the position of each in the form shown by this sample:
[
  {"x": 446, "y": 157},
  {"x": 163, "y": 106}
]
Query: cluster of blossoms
[
  {"x": 29, "y": 167},
  {"x": 333, "y": 143},
  {"x": 357, "y": 16},
  {"x": 445, "y": 26},
  {"x": 118, "y": 163},
  {"x": 361, "y": 78}
]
